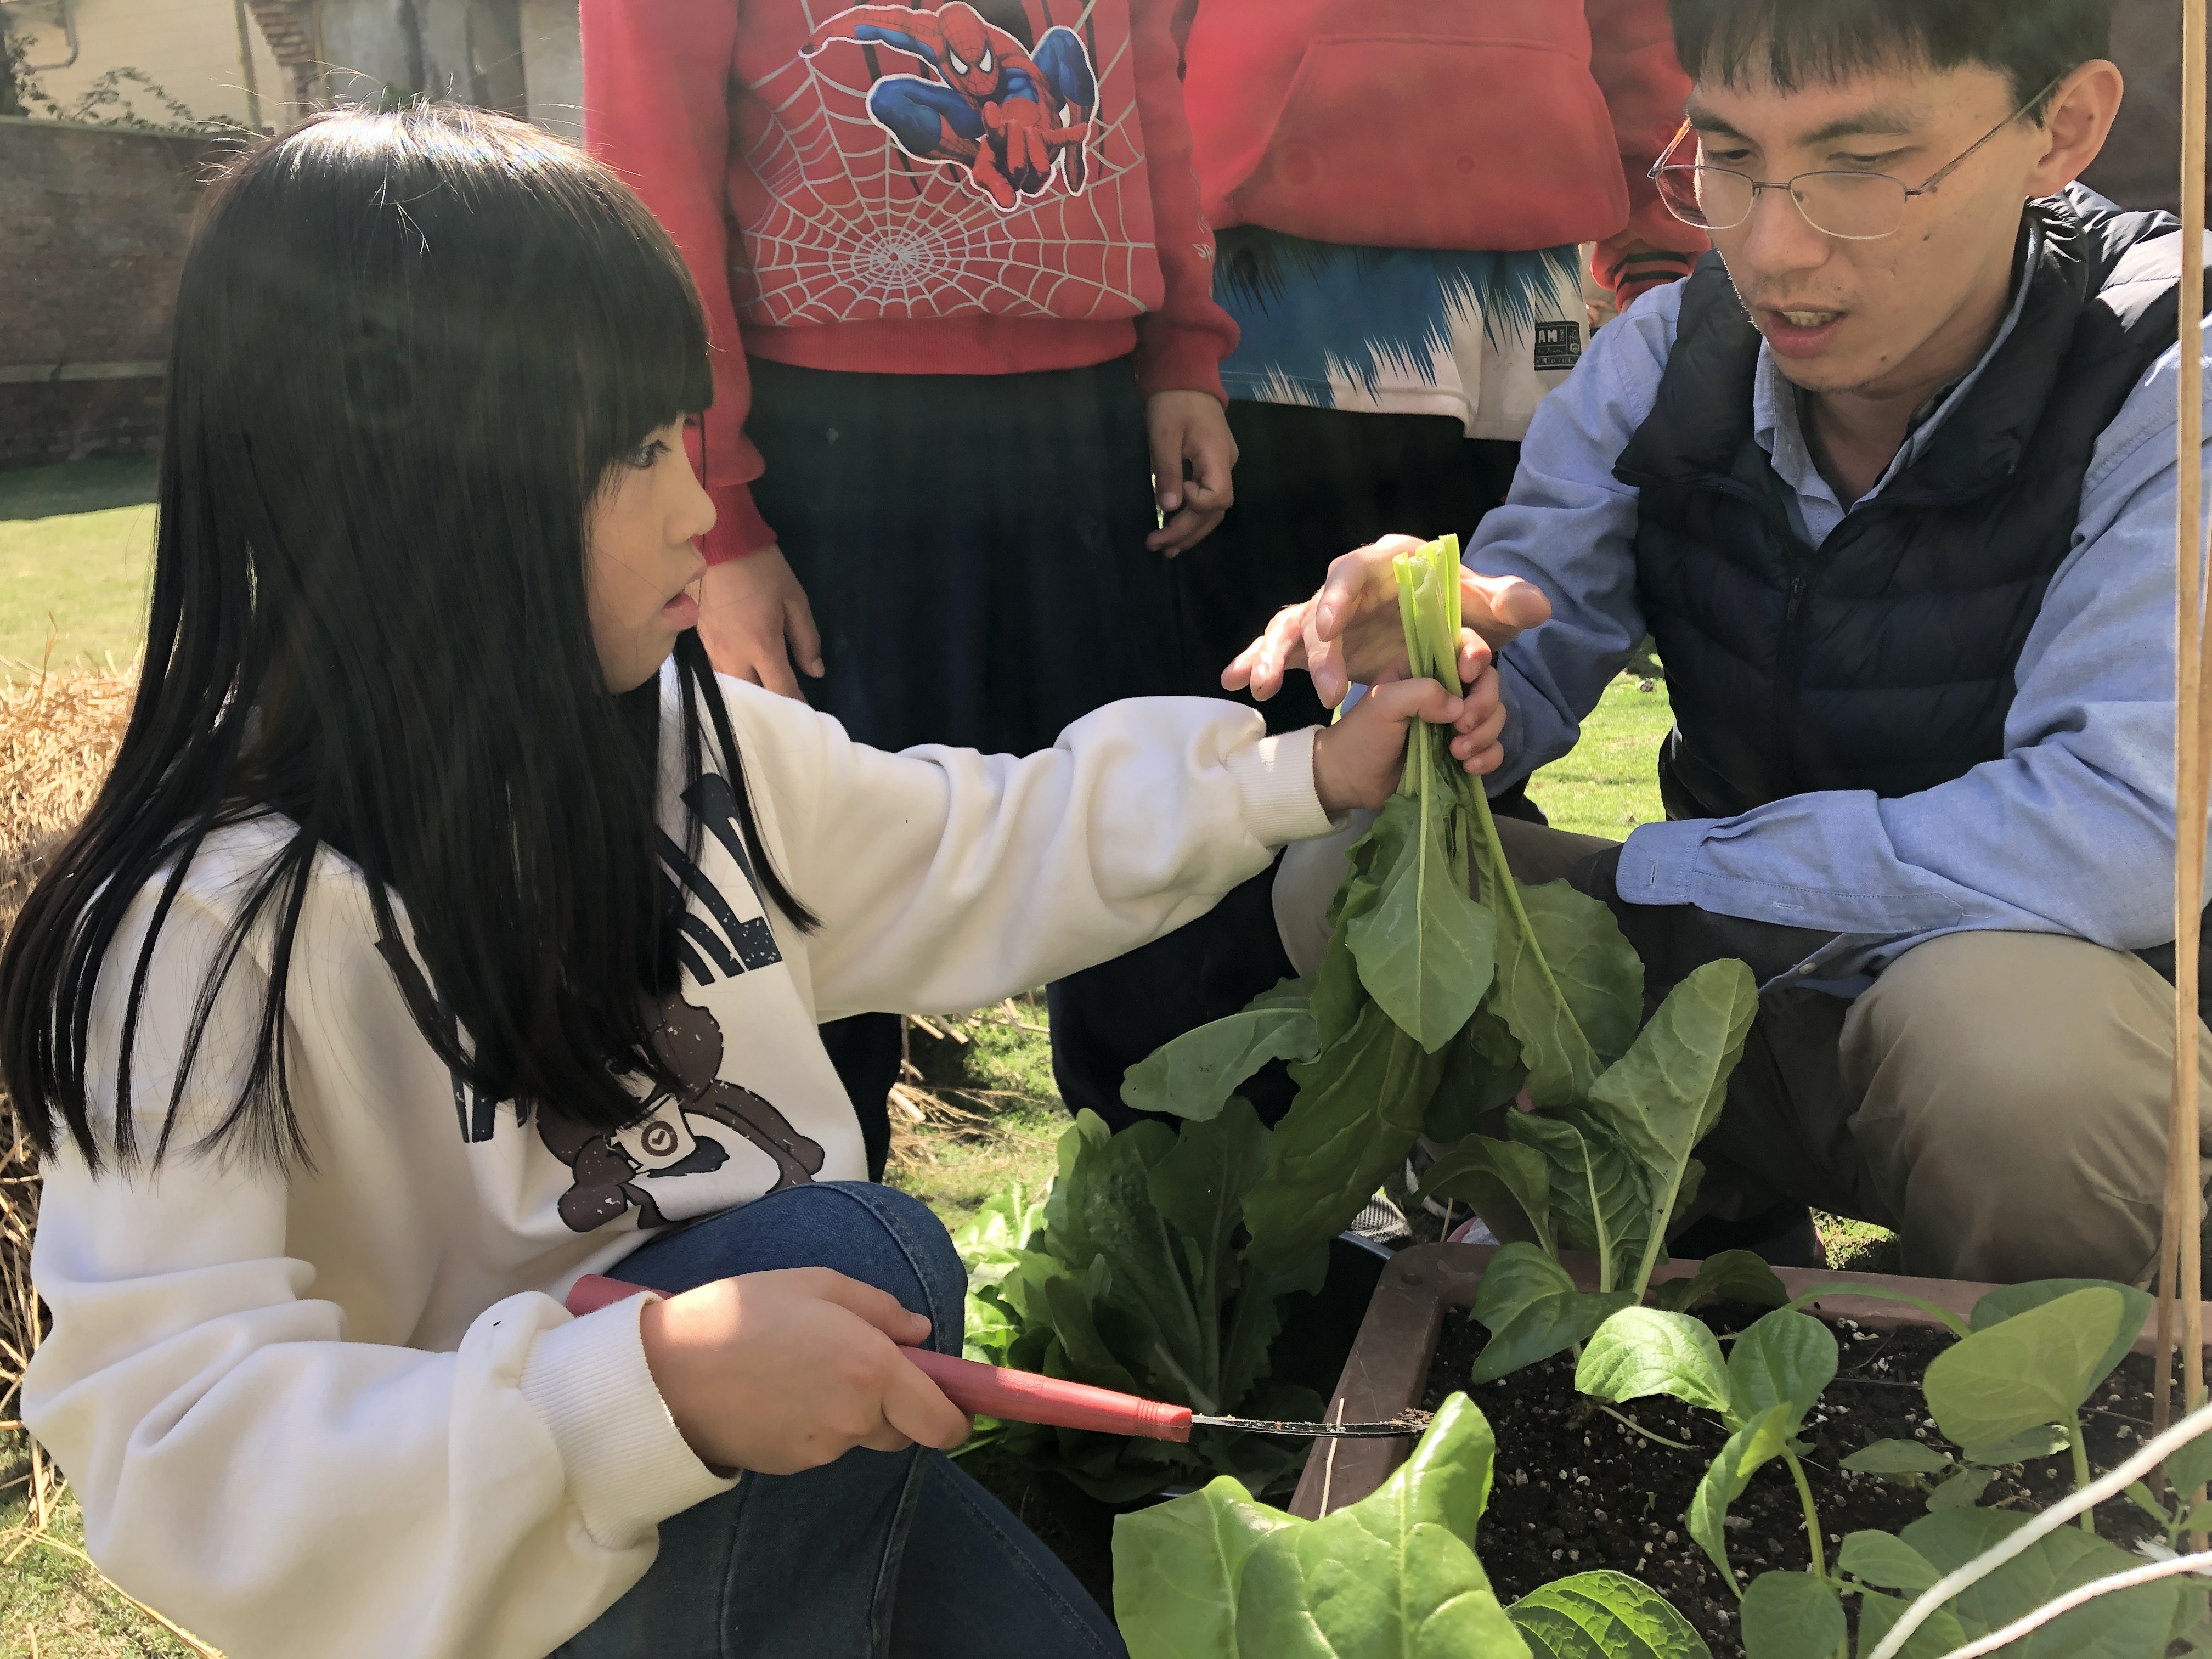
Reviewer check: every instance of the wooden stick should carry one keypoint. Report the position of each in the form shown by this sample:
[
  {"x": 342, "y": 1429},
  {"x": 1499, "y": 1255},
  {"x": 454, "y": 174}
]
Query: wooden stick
[{"x": 2180, "y": 1303}]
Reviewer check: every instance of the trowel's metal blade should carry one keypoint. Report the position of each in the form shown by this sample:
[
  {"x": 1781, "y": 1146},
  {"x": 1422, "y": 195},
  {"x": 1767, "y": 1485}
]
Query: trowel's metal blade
[{"x": 1404, "y": 1424}]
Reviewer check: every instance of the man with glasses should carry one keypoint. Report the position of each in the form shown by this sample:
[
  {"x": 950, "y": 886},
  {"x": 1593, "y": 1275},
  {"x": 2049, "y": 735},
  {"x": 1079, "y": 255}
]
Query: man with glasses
[{"x": 1891, "y": 479}]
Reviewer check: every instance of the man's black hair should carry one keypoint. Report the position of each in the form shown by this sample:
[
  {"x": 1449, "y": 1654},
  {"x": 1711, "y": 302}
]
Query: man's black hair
[{"x": 1795, "y": 43}]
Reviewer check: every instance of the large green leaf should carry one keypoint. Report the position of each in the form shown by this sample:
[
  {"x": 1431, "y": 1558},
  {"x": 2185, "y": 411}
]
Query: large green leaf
[
  {"x": 1942, "y": 1632},
  {"x": 1192, "y": 1076},
  {"x": 1338, "y": 998},
  {"x": 1748, "y": 1450},
  {"x": 1792, "y": 1615},
  {"x": 1425, "y": 949},
  {"x": 1728, "y": 1276},
  {"x": 1602, "y": 1615},
  {"x": 1482, "y": 1072},
  {"x": 1357, "y": 1112},
  {"x": 1109, "y": 1215},
  {"x": 1394, "y": 1576},
  {"x": 1886, "y": 1561},
  {"x": 1898, "y": 1457},
  {"x": 1497, "y": 1178},
  {"x": 1664, "y": 1095},
  {"x": 1599, "y": 1199},
  {"x": 2042, "y": 1441},
  {"x": 1532, "y": 1310},
  {"x": 2127, "y": 1624},
  {"x": 1176, "y": 1567},
  {"x": 2011, "y": 1300},
  {"x": 2033, "y": 1368},
  {"x": 1199, "y": 1187},
  {"x": 1641, "y": 1352},
  {"x": 1568, "y": 985},
  {"x": 1784, "y": 1359}
]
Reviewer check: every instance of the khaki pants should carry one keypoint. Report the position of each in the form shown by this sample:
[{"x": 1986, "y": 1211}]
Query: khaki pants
[{"x": 1999, "y": 1100}]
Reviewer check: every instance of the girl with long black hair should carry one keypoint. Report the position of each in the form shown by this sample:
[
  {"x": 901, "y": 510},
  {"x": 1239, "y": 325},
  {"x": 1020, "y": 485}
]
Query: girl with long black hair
[{"x": 437, "y": 938}]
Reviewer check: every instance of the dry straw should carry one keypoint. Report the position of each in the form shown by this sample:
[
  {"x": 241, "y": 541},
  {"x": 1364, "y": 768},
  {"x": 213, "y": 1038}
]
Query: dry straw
[{"x": 58, "y": 736}]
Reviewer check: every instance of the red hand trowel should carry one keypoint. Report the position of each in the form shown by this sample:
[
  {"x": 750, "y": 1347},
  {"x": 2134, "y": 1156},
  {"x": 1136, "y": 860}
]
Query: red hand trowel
[{"x": 1026, "y": 1397}]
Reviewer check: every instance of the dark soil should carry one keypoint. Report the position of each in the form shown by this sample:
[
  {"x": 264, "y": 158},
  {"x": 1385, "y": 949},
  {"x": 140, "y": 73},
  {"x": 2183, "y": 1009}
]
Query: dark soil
[{"x": 1576, "y": 1490}]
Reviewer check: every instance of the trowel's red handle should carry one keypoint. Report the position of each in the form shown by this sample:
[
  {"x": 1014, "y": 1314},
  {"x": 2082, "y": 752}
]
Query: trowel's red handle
[{"x": 988, "y": 1390}]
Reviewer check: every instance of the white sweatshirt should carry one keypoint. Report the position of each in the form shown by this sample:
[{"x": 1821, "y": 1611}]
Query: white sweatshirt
[{"x": 345, "y": 1413}]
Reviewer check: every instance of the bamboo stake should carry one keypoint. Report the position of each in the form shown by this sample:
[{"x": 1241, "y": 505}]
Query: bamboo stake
[{"x": 2180, "y": 1289}]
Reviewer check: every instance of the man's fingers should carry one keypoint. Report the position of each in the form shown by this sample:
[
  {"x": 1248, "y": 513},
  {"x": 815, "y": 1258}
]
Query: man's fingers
[
  {"x": 918, "y": 1409},
  {"x": 1500, "y": 607},
  {"x": 1355, "y": 578},
  {"x": 1261, "y": 665}
]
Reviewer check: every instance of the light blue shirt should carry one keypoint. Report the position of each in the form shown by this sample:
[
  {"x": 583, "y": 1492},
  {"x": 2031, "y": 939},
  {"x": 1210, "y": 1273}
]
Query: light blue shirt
[{"x": 2072, "y": 831}]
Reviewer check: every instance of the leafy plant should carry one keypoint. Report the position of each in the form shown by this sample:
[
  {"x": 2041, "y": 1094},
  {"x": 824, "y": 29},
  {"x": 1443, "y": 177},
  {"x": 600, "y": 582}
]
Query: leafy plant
[
  {"x": 1134, "y": 1273},
  {"x": 1217, "y": 1576}
]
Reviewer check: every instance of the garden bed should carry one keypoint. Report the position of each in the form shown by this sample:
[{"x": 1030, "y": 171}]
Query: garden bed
[{"x": 1576, "y": 1490}]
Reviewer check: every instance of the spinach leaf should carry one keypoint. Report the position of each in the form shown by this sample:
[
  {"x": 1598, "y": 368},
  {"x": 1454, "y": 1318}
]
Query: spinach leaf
[
  {"x": 1879, "y": 1559},
  {"x": 1568, "y": 984},
  {"x": 1792, "y": 1615},
  {"x": 1641, "y": 1352},
  {"x": 1394, "y": 1576},
  {"x": 1603, "y": 1616},
  {"x": 1532, "y": 1309},
  {"x": 1192, "y": 1076},
  {"x": 1198, "y": 1188},
  {"x": 1599, "y": 1199},
  {"x": 2034, "y": 1368},
  {"x": 1357, "y": 1112},
  {"x": 1732, "y": 1276},
  {"x": 1177, "y": 1568},
  {"x": 1425, "y": 947},
  {"x": 1498, "y": 1178},
  {"x": 1664, "y": 1095},
  {"x": 1482, "y": 1072}
]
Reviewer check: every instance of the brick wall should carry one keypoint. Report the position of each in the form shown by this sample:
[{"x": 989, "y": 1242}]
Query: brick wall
[{"x": 94, "y": 223}]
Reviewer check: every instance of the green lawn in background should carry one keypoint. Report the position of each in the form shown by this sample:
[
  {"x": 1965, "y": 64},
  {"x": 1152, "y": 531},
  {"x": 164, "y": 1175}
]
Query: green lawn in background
[
  {"x": 76, "y": 544},
  {"x": 1610, "y": 783}
]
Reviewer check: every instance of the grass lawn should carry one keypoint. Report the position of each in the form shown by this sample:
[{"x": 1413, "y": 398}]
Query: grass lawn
[{"x": 76, "y": 545}]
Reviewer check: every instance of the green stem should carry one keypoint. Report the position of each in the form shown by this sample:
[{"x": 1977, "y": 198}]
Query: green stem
[
  {"x": 1812, "y": 1515},
  {"x": 2081, "y": 1475},
  {"x": 1638, "y": 1428}
]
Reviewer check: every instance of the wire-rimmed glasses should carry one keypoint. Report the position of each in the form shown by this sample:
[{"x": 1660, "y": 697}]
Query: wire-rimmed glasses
[{"x": 1853, "y": 207}]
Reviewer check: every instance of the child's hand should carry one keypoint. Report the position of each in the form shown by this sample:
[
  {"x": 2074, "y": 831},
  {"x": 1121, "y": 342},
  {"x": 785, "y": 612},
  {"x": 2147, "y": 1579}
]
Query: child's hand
[
  {"x": 783, "y": 1371},
  {"x": 1359, "y": 761}
]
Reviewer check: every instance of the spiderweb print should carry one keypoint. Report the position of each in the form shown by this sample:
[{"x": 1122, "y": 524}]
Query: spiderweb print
[{"x": 859, "y": 230}]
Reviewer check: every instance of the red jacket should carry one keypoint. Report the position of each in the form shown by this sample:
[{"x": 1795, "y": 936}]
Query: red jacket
[
  {"x": 1444, "y": 124},
  {"x": 777, "y": 141}
]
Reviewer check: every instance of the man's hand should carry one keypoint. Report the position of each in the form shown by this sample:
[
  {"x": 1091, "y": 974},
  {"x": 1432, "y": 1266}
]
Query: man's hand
[
  {"x": 783, "y": 1371},
  {"x": 1350, "y": 629},
  {"x": 1188, "y": 426},
  {"x": 749, "y": 608},
  {"x": 1359, "y": 761}
]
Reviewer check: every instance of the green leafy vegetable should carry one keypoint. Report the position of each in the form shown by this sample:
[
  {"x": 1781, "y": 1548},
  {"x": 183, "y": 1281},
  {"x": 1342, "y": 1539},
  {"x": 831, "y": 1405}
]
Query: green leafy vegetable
[
  {"x": 1177, "y": 1566},
  {"x": 1425, "y": 950},
  {"x": 1599, "y": 1199},
  {"x": 1640, "y": 1351},
  {"x": 1792, "y": 1615},
  {"x": 1749, "y": 1450},
  {"x": 2022, "y": 1448},
  {"x": 1784, "y": 1359},
  {"x": 1603, "y": 1616},
  {"x": 1962, "y": 1489},
  {"x": 1192, "y": 1076},
  {"x": 1532, "y": 1309},
  {"x": 1498, "y": 1178},
  {"x": 1879, "y": 1559},
  {"x": 2125, "y": 1624},
  {"x": 2034, "y": 1368},
  {"x": 1898, "y": 1457},
  {"x": 1730, "y": 1276}
]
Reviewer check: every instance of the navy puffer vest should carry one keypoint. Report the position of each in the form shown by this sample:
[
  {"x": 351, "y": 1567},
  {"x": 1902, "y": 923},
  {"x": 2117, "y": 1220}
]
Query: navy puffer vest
[{"x": 1884, "y": 659}]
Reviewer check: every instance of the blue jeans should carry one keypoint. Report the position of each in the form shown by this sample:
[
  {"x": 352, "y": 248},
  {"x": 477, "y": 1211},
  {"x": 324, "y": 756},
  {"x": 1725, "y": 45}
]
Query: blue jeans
[{"x": 880, "y": 1555}]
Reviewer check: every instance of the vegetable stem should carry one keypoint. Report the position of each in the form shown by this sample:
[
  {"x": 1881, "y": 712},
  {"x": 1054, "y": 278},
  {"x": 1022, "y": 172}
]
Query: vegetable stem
[
  {"x": 2081, "y": 1475},
  {"x": 1812, "y": 1515}
]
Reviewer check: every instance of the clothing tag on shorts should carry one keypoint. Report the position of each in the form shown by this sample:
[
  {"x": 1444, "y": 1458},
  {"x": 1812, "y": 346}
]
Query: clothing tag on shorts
[{"x": 1558, "y": 345}]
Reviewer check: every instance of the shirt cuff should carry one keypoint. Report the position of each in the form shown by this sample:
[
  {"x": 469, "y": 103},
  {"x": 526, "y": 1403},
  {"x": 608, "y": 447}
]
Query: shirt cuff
[
  {"x": 738, "y": 527},
  {"x": 1658, "y": 861},
  {"x": 1275, "y": 778},
  {"x": 628, "y": 1469}
]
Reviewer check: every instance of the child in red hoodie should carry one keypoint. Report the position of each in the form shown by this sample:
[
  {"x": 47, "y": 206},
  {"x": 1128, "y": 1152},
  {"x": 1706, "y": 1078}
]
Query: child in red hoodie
[{"x": 960, "y": 297}]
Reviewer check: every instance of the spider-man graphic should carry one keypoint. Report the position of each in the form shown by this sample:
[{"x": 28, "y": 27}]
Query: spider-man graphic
[{"x": 1006, "y": 115}]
